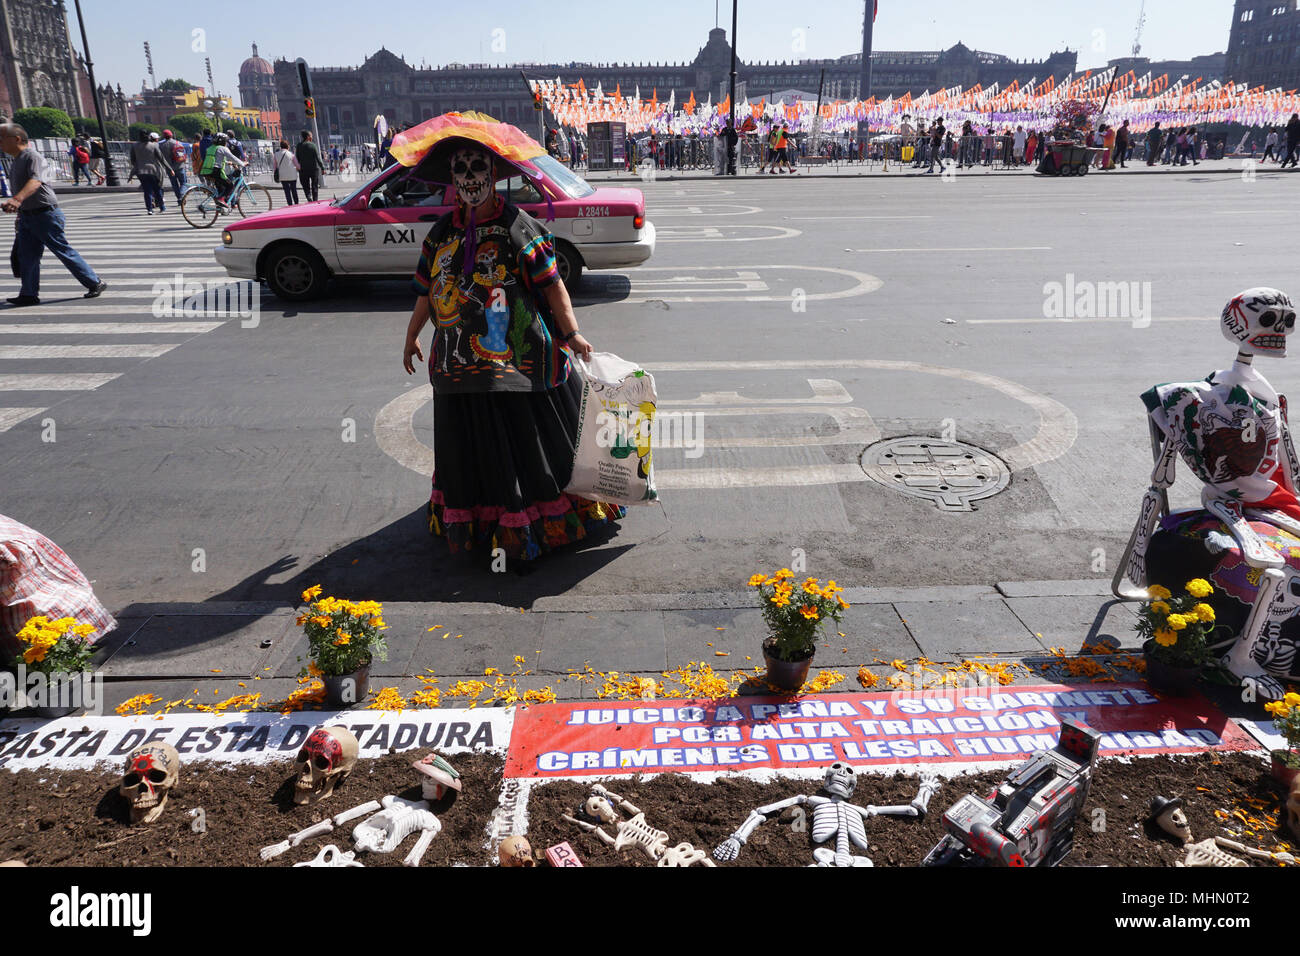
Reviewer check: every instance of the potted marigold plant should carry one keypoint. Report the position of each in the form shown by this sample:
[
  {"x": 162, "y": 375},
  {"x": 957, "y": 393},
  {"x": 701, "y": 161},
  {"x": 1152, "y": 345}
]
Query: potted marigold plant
[
  {"x": 1177, "y": 631},
  {"x": 59, "y": 649},
  {"x": 343, "y": 639},
  {"x": 1286, "y": 718},
  {"x": 794, "y": 612}
]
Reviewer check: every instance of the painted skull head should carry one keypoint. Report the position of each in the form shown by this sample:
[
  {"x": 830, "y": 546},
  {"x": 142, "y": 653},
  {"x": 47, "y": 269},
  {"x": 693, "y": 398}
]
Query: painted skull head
[
  {"x": 1169, "y": 816},
  {"x": 486, "y": 259},
  {"x": 1293, "y": 808},
  {"x": 598, "y": 809},
  {"x": 515, "y": 851},
  {"x": 1258, "y": 321},
  {"x": 436, "y": 776},
  {"x": 151, "y": 773},
  {"x": 471, "y": 173},
  {"x": 841, "y": 780},
  {"x": 323, "y": 763}
]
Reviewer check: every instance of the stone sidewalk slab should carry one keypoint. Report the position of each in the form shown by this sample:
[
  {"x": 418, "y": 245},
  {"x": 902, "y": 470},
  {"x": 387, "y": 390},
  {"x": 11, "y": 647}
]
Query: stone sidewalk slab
[
  {"x": 1070, "y": 621},
  {"x": 179, "y": 645},
  {"x": 1087, "y": 587},
  {"x": 952, "y": 630},
  {"x": 609, "y": 642}
]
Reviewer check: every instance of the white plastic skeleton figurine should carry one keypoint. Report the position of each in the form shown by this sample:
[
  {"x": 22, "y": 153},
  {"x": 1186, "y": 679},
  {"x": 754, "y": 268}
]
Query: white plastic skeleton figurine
[
  {"x": 1231, "y": 431},
  {"x": 599, "y": 809},
  {"x": 393, "y": 820},
  {"x": 833, "y": 817},
  {"x": 331, "y": 856}
]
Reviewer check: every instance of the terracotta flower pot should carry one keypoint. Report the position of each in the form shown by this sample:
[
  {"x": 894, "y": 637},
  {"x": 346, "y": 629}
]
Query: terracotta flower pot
[
  {"x": 787, "y": 675},
  {"x": 1281, "y": 772},
  {"x": 345, "y": 690},
  {"x": 1173, "y": 680}
]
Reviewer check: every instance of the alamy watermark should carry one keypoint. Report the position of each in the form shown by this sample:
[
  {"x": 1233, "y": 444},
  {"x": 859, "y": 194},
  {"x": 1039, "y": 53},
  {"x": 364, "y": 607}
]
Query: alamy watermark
[
  {"x": 58, "y": 689},
  {"x": 659, "y": 430},
  {"x": 216, "y": 298},
  {"x": 1083, "y": 299}
]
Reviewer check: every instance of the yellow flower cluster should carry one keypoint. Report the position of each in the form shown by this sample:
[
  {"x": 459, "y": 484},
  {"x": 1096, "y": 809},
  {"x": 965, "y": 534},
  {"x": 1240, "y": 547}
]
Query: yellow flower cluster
[
  {"x": 41, "y": 634},
  {"x": 387, "y": 699},
  {"x": 1284, "y": 707},
  {"x": 1199, "y": 588}
]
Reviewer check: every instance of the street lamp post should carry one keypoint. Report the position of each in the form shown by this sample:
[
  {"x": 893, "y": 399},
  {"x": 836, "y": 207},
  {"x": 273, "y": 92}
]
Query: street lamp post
[
  {"x": 733, "y": 141},
  {"x": 110, "y": 175}
]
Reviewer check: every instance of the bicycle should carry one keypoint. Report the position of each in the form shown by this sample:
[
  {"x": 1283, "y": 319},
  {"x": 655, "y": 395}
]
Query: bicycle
[{"x": 200, "y": 208}]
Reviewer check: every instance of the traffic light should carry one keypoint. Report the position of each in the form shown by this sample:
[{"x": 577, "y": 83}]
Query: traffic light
[
  {"x": 309, "y": 105},
  {"x": 537, "y": 100}
]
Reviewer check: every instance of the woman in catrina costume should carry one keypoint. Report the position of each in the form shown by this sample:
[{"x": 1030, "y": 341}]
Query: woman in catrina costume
[{"x": 506, "y": 393}]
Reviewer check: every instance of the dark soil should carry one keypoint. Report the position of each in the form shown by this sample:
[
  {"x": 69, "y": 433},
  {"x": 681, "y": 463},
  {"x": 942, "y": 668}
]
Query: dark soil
[
  {"x": 77, "y": 818},
  {"x": 706, "y": 814}
]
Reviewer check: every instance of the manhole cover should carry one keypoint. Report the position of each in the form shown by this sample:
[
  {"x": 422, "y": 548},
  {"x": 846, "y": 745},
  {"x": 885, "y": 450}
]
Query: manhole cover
[{"x": 952, "y": 474}]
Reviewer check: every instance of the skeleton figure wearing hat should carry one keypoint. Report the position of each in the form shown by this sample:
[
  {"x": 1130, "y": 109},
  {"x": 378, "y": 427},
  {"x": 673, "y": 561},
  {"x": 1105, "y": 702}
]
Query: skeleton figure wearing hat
[{"x": 1231, "y": 431}]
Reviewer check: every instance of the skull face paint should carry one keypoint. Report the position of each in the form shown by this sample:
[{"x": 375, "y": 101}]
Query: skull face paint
[
  {"x": 150, "y": 774},
  {"x": 1258, "y": 321},
  {"x": 471, "y": 174}
]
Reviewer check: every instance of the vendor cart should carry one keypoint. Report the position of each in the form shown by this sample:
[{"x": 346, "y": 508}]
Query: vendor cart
[{"x": 1067, "y": 158}]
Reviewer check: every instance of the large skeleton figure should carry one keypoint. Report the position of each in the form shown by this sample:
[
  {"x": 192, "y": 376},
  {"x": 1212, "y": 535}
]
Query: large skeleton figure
[
  {"x": 599, "y": 809},
  {"x": 393, "y": 820},
  {"x": 1231, "y": 430},
  {"x": 833, "y": 817}
]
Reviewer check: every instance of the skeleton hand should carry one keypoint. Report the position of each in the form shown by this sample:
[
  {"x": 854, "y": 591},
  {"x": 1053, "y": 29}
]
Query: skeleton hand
[
  {"x": 727, "y": 850},
  {"x": 929, "y": 787},
  {"x": 1262, "y": 686}
]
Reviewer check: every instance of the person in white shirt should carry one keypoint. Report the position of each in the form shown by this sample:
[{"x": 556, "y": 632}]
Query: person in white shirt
[
  {"x": 1018, "y": 145},
  {"x": 286, "y": 172},
  {"x": 1270, "y": 146}
]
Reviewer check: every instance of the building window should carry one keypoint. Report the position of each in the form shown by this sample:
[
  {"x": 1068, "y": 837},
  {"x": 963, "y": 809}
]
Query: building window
[{"x": 1247, "y": 16}]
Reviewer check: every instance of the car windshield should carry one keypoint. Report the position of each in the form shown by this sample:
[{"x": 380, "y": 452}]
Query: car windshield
[{"x": 573, "y": 184}]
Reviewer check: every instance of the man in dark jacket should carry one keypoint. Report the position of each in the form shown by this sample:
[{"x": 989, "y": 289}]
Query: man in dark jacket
[
  {"x": 310, "y": 164},
  {"x": 1155, "y": 140},
  {"x": 1292, "y": 140},
  {"x": 1121, "y": 145}
]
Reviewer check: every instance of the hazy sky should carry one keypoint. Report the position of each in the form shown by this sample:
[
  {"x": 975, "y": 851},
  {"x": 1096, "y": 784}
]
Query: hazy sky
[{"x": 333, "y": 33}]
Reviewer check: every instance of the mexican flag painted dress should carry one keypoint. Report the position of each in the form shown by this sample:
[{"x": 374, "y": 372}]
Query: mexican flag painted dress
[{"x": 506, "y": 396}]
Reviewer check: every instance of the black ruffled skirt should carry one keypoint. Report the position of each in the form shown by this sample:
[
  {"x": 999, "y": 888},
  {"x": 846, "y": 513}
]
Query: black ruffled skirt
[{"x": 503, "y": 459}]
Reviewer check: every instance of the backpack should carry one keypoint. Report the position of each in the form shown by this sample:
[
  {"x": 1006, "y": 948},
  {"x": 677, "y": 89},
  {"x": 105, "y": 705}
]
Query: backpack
[
  {"x": 82, "y": 155},
  {"x": 178, "y": 152}
]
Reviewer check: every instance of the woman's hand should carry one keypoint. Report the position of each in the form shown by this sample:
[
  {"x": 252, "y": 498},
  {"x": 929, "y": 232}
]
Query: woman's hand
[
  {"x": 580, "y": 347},
  {"x": 412, "y": 348}
]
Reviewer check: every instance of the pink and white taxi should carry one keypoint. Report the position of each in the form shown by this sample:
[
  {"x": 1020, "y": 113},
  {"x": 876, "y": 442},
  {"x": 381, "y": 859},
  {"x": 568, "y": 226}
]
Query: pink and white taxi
[{"x": 377, "y": 231}]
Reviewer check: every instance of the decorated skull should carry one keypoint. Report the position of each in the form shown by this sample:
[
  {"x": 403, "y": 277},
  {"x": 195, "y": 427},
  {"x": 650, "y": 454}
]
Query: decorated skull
[
  {"x": 436, "y": 776},
  {"x": 1168, "y": 815},
  {"x": 1258, "y": 321},
  {"x": 598, "y": 809},
  {"x": 151, "y": 773},
  {"x": 471, "y": 173},
  {"x": 323, "y": 763},
  {"x": 515, "y": 851},
  {"x": 841, "y": 780},
  {"x": 1293, "y": 808}
]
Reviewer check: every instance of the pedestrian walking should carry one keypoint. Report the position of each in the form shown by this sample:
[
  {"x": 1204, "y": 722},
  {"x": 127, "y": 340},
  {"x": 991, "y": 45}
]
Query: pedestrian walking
[
  {"x": 1270, "y": 146},
  {"x": 148, "y": 164},
  {"x": 40, "y": 221},
  {"x": 310, "y": 165},
  {"x": 97, "y": 155},
  {"x": 173, "y": 151},
  {"x": 80, "y": 157},
  {"x": 286, "y": 172},
  {"x": 936, "y": 141},
  {"x": 504, "y": 430},
  {"x": 1123, "y": 141},
  {"x": 196, "y": 158},
  {"x": 1292, "y": 140}
]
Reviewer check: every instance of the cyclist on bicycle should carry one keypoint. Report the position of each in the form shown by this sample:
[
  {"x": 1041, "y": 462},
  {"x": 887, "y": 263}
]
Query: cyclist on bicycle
[{"x": 217, "y": 162}]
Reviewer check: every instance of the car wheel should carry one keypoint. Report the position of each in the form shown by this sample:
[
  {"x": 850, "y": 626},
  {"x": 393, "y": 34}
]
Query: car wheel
[
  {"x": 296, "y": 273},
  {"x": 569, "y": 265}
]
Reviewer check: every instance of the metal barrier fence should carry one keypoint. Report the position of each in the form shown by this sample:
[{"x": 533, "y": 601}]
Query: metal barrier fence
[{"x": 257, "y": 153}]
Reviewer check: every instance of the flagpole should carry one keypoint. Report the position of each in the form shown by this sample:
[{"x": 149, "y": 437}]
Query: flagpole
[{"x": 733, "y": 146}]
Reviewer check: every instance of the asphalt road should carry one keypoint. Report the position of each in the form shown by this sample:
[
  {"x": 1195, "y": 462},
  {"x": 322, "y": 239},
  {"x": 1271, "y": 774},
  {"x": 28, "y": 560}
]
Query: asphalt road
[{"x": 807, "y": 320}]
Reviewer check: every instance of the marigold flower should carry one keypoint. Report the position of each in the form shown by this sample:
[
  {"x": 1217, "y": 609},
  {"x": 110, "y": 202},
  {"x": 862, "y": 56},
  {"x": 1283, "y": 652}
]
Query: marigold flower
[
  {"x": 1159, "y": 592},
  {"x": 1199, "y": 587},
  {"x": 1292, "y": 699},
  {"x": 311, "y": 593},
  {"x": 809, "y": 612},
  {"x": 1165, "y": 637},
  {"x": 784, "y": 574},
  {"x": 1160, "y": 607},
  {"x": 758, "y": 580},
  {"x": 1178, "y": 621},
  {"x": 1204, "y": 613}
]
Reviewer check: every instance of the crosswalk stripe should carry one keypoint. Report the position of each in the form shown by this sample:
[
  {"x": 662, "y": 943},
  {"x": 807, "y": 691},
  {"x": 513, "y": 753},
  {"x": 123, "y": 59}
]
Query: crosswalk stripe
[
  {"x": 9, "y": 417},
  {"x": 109, "y": 328},
  {"x": 83, "y": 351},
  {"x": 59, "y": 309},
  {"x": 33, "y": 382}
]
